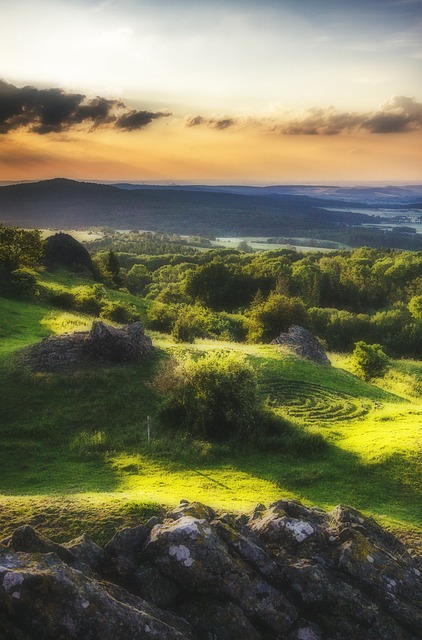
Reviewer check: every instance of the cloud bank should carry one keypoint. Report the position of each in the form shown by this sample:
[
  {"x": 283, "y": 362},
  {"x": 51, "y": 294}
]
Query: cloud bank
[
  {"x": 401, "y": 114},
  {"x": 44, "y": 111}
]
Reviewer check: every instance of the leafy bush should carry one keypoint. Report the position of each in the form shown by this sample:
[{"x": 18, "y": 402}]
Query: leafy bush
[
  {"x": 215, "y": 397},
  {"x": 17, "y": 284},
  {"x": 369, "y": 360},
  {"x": 19, "y": 248},
  {"x": 137, "y": 278},
  {"x": 161, "y": 317},
  {"x": 192, "y": 322},
  {"x": 61, "y": 298},
  {"x": 88, "y": 299},
  {"x": 274, "y": 315},
  {"x": 120, "y": 312}
]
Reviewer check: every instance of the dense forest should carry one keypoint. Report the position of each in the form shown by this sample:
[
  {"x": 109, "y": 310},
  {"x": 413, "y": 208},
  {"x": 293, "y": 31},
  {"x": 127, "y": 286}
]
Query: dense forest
[
  {"x": 342, "y": 296},
  {"x": 238, "y": 212}
]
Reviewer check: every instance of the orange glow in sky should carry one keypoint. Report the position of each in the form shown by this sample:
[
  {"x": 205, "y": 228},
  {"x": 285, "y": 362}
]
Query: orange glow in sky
[{"x": 220, "y": 92}]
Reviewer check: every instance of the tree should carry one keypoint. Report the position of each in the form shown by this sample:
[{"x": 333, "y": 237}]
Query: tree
[
  {"x": 369, "y": 360},
  {"x": 274, "y": 315},
  {"x": 415, "y": 307},
  {"x": 19, "y": 248},
  {"x": 215, "y": 396},
  {"x": 113, "y": 267},
  {"x": 137, "y": 278}
]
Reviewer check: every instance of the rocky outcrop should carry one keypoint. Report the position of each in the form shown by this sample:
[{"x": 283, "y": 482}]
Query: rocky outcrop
[
  {"x": 303, "y": 343},
  {"x": 284, "y": 572},
  {"x": 63, "y": 250},
  {"x": 103, "y": 343}
]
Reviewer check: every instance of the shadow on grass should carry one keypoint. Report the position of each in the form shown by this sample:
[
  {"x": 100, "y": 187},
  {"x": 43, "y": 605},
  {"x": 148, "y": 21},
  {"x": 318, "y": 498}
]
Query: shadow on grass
[{"x": 56, "y": 429}]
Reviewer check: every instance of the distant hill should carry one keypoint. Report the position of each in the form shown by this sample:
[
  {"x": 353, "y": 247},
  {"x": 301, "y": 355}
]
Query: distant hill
[
  {"x": 69, "y": 204},
  {"x": 364, "y": 195}
]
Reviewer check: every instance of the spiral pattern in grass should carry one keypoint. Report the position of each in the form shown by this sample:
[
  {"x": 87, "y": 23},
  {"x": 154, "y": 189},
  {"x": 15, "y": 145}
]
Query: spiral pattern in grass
[{"x": 314, "y": 403}]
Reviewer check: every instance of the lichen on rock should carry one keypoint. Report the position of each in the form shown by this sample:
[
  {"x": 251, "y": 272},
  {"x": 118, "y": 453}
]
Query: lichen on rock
[{"x": 283, "y": 572}]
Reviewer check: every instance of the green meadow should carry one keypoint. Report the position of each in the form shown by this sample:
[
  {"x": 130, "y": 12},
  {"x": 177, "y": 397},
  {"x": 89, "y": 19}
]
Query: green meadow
[{"x": 75, "y": 457}]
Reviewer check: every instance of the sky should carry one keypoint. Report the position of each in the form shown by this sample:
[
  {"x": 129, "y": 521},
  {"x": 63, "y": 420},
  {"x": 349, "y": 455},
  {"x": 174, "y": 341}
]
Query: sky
[{"x": 217, "y": 92}]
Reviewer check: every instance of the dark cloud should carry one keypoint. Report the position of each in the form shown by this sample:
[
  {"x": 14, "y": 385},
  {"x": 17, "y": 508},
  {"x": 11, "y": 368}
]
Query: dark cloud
[
  {"x": 45, "y": 111},
  {"x": 138, "y": 119},
  {"x": 213, "y": 123},
  {"x": 400, "y": 114}
]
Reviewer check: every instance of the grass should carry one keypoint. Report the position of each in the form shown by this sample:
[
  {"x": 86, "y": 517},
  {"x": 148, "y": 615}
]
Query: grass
[{"x": 74, "y": 454}]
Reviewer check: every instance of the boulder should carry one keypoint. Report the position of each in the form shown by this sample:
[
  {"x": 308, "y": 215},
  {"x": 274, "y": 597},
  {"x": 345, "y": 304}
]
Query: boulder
[
  {"x": 63, "y": 250},
  {"x": 42, "y": 597},
  {"x": 301, "y": 342},
  {"x": 102, "y": 344},
  {"x": 128, "y": 344},
  {"x": 284, "y": 572}
]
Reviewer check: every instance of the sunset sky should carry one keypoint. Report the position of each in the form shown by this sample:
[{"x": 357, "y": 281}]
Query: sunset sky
[{"x": 234, "y": 91}]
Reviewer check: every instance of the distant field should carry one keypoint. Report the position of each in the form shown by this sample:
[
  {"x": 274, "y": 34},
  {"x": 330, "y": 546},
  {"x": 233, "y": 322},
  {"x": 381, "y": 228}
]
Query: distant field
[
  {"x": 80, "y": 235},
  {"x": 261, "y": 244},
  {"x": 74, "y": 454}
]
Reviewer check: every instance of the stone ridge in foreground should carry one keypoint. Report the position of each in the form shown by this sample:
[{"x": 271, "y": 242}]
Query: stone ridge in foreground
[{"x": 284, "y": 572}]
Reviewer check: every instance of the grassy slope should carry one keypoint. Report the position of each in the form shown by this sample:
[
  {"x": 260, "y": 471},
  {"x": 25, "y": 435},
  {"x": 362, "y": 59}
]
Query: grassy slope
[{"x": 74, "y": 454}]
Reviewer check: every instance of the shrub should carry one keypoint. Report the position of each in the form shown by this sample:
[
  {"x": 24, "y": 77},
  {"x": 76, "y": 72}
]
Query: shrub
[
  {"x": 17, "y": 284},
  {"x": 274, "y": 315},
  {"x": 192, "y": 322},
  {"x": 215, "y": 397},
  {"x": 369, "y": 360},
  {"x": 89, "y": 299},
  {"x": 161, "y": 317},
  {"x": 137, "y": 278},
  {"x": 60, "y": 298},
  {"x": 120, "y": 312}
]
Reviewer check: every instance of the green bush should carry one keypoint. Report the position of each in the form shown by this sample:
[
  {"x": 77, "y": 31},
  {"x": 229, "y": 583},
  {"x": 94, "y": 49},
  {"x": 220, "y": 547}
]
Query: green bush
[
  {"x": 192, "y": 322},
  {"x": 369, "y": 360},
  {"x": 214, "y": 397},
  {"x": 61, "y": 298},
  {"x": 276, "y": 314},
  {"x": 137, "y": 278},
  {"x": 89, "y": 299},
  {"x": 20, "y": 283},
  {"x": 161, "y": 317},
  {"x": 120, "y": 312}
]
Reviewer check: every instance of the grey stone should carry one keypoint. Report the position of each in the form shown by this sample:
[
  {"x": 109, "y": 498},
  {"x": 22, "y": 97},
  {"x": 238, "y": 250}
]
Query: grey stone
[{"x": 303, "y": 343}]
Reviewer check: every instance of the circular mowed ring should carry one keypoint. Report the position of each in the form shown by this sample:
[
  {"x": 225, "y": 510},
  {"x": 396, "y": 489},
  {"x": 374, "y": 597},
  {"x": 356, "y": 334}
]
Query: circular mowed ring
[{"x": 314, "y": 403}]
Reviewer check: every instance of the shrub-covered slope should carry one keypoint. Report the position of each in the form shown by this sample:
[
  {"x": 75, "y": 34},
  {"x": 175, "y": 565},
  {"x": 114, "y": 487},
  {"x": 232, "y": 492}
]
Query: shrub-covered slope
[{"x": 75, "y": 454}]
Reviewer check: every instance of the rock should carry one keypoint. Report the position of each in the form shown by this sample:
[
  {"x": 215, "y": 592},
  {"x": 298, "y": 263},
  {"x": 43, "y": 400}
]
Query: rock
[
  {"x": 63, "y": 250},
  {"x": 27, "y": 539},
  {"x": 148, "y": 583},
  {"x": 286, "y": 572},
  {"x": 303, "y": 343},
  {"x": 102, "y": 344},
  {"x": 213, "y": 619},
  {"x": 88, "y": 554},
  {"x": 194, "y": 509},
  {"x": 45, "y": 598},
  {"x": 289, "y": 525},
  {"x": 126, "y": 545},
  {"x": 192, "y": 553},
  {"x": 128, "y": 344}
]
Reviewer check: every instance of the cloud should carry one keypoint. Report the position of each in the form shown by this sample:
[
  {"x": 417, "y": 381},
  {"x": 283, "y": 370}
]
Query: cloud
[
  {"x": 44, "y": 111},
  {"x": 401, "y": 114},
  {"x": 212, "y": 123},
  {"x": 398, "y": 115},
  {"x": 138, "y": 119}
]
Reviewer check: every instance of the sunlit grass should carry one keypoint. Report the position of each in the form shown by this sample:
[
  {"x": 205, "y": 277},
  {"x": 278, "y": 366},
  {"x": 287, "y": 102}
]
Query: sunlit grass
[{"x": 74, "y": 454}]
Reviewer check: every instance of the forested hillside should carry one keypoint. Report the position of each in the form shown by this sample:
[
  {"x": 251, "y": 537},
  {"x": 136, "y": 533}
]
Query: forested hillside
[{"x": 235, "y": 420}]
